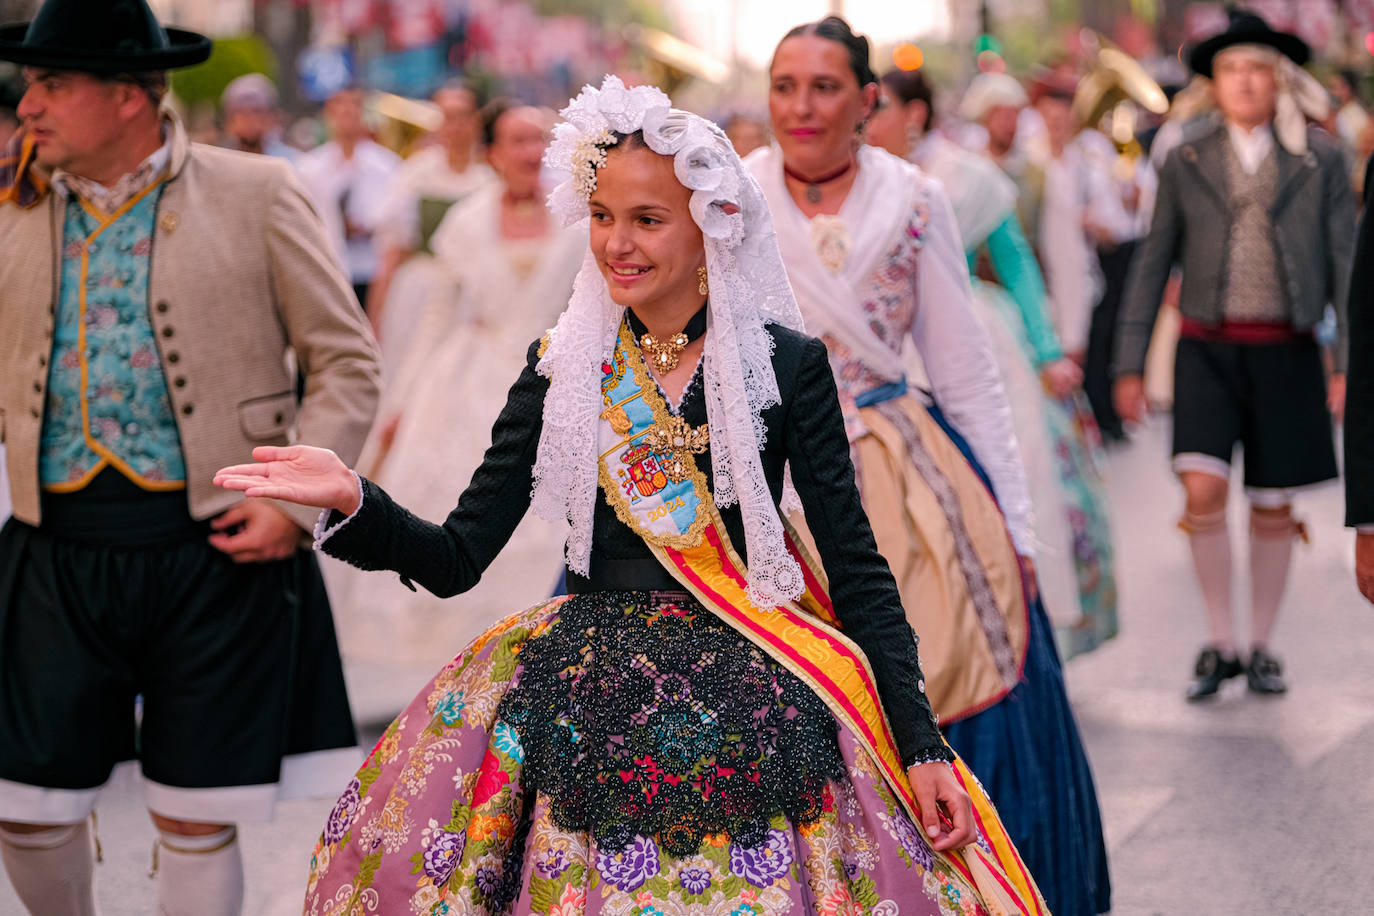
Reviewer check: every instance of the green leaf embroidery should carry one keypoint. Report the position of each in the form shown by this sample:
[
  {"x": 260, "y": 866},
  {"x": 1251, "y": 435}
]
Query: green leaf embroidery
[
  {"x": 544, "y": 893},
  {"x": 864, "y": 891},
  {"x": 368, "y": 870}
]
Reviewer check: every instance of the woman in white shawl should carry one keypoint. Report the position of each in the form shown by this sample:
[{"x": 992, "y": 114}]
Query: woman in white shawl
[
  {"x": 511, "y": 268},
  {"x": 1059, "y": 443},
  {"x": 874, "y": 256}
]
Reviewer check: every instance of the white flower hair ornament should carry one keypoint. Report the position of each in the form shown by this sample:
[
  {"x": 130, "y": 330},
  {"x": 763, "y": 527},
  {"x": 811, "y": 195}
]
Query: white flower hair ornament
[{"x": 749, "y": 288}]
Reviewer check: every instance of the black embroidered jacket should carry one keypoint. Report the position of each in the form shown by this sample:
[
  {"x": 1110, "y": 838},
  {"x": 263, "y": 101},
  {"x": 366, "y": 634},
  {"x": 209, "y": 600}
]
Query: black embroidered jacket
[{"x": 807, "y": 428}]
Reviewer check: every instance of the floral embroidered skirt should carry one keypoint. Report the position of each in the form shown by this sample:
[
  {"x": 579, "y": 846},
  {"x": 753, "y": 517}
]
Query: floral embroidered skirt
[{"x": 624, "y": 753}]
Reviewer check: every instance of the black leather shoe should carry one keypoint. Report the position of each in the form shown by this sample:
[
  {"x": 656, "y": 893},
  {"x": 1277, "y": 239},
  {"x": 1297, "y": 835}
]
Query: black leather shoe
[
  {"x": 1264, "y": 674},
  {"x": 1212, "y": 668}
]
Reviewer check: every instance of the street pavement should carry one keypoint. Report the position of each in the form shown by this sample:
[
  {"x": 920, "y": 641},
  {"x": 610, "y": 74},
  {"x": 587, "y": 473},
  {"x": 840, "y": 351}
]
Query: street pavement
[{"x": 1244, "y": 805}]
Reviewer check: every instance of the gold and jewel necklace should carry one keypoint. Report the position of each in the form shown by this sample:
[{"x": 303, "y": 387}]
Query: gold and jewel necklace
[{"x": 664, "y": 355}]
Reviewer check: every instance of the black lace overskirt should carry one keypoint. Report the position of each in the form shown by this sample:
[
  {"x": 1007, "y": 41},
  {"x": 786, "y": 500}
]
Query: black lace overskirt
[{"x": 645, "y": 714}]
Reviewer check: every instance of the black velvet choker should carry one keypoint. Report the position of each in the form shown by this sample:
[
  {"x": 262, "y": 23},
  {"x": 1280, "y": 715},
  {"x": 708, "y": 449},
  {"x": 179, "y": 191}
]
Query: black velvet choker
[{"x": 695, "y": 327}]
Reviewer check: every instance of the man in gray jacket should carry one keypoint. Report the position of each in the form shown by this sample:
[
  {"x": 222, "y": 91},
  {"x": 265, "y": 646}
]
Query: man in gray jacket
[{"x": 1259, "y": 213}]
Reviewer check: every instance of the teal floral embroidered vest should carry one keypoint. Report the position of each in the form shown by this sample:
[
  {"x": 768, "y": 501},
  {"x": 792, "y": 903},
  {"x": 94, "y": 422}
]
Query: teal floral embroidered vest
[{"x": 107, "y": 400}]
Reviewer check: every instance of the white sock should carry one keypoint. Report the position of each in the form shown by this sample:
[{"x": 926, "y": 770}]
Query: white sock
[
  {"x": 1210, "y": 542},
  {"x": 1272, "y": 532},
  {"x": 53, "y": 870},
  {"x": 199, "y": 875}
]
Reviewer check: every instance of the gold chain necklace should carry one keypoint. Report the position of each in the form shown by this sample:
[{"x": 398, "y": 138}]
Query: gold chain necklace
[{"x": 664, "y": 355}]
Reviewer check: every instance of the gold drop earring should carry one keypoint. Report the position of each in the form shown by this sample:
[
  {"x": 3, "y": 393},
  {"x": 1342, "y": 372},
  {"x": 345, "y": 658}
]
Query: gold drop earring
[{"x": 702, "y": 286}]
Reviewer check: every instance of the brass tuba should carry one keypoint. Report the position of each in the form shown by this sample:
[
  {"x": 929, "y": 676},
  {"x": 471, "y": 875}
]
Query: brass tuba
[{"x": 1108, "y": 95}]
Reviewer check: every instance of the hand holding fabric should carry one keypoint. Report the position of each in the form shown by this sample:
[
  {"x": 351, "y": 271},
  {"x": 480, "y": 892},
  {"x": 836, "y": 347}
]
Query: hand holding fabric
[
  {"x": 946, "y": 809},
  {"x": 1061, "y": 377},
  {"x": 298, "y": 474}
]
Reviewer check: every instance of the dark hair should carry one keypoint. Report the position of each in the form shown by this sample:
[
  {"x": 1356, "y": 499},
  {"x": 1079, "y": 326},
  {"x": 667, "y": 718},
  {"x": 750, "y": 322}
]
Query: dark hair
[
  {"x": 457, "y": 84},
  {"x": 152, "y": 83},
  {"x": 493, "y": 112},
  {"x": 633, "y": 140},
  {"x": 907, "y": 86},
  {"x": 833, "y": 28}
]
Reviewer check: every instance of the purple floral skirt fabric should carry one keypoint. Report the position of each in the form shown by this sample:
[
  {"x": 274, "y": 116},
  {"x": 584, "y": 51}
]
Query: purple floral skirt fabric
[{"x": 447, "y": 816}]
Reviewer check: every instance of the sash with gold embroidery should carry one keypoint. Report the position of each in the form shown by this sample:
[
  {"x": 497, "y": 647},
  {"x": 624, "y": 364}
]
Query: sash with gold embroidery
[{"x": 650, "y": 477}]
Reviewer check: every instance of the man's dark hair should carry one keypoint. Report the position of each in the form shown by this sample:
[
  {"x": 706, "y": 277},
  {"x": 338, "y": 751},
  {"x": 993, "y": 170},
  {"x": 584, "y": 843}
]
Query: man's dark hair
[{"x": 153, "y": 83}]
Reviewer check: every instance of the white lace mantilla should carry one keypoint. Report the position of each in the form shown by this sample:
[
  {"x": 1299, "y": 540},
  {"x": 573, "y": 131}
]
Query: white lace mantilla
[{"x": 749, "y": 288}]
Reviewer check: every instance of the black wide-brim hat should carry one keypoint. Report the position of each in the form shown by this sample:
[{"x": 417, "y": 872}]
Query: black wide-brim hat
[
  {"x": 100, "y": 36},
  {"x": 1247, "y": 29}
]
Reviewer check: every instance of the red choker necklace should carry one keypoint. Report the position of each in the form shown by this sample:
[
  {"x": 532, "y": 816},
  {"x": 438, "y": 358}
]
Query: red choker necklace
[{"x": 813, "y": 185}]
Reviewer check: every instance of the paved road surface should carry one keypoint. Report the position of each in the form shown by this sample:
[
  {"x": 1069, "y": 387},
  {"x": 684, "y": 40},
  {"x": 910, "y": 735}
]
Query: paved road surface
[{"x": 1243, "y": 806}]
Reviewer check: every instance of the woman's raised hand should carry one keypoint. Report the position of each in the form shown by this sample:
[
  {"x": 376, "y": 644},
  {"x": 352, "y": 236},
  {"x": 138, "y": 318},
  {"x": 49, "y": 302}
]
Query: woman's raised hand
[{"x": 297, "y": 474}]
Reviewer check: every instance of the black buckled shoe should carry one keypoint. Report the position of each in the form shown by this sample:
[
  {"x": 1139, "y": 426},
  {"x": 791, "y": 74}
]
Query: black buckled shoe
[
  {"x": 1211, "y": 669},
  {"x": 1264, "y": 674}
]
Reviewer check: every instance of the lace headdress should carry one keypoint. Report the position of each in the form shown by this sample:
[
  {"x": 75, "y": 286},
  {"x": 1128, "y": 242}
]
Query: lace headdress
[{"x": 749, "y": 287}]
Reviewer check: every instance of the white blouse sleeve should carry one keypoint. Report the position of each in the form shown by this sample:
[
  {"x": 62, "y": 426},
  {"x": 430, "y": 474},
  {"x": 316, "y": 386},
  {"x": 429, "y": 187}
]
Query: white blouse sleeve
[{"x": 964, "y": 376}]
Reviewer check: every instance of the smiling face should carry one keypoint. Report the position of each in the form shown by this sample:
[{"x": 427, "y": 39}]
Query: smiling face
[
  {"x": 643, "y": 236},
  {"x": 816, "y": 103}
]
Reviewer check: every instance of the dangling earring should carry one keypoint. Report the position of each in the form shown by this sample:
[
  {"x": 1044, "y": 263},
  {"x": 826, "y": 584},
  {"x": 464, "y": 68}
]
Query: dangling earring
[{"x": 702, "y": 286}]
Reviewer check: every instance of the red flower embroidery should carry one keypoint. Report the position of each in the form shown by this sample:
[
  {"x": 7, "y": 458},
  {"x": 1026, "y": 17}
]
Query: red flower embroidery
[{"x": 490, "y": 780}]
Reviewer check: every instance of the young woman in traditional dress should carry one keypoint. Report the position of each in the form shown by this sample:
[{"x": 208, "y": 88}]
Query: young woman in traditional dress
[
  {"x": 509, "y": 267},
  {"x": 873, "y": 253},
  {"x": 1060, "y": 447},
  {"x": 690, "y": 731}
]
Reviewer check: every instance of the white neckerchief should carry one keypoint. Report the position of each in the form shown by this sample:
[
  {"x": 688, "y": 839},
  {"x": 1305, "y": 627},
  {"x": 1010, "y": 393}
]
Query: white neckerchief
[
  {"x": 109, "y": 198},
  {"x": 1251, "y": 146},
  {"x": 878, "y": 206},
  {"x": 982, "y": 195}
]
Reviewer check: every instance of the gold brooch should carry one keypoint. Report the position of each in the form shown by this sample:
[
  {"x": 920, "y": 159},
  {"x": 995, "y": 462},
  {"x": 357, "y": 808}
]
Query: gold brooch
[
  {"x": 664, "y": 354},
  {"x": 618, "y": 418},
  {"x": 677, "y": 441}
]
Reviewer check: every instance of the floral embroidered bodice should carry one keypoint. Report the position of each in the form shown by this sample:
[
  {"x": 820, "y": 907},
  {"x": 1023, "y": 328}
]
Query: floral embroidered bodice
[{"x": 889, "y": 300}]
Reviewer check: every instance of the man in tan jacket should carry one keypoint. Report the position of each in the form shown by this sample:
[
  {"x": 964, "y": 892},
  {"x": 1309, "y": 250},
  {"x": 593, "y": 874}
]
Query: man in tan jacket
[{"x": 157, "y": 300}]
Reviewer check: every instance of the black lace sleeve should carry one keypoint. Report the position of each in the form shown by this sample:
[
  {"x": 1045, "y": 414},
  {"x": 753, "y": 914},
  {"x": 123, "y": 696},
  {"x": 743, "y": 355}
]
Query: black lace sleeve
[
  {"x": 449, "y": 559},
  {"x": 861, "y": 584}
]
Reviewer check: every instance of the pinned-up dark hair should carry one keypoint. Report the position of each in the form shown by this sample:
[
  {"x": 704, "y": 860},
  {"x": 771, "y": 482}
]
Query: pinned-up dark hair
[
  {"x": 909, "y": 86},
  {"x": 833, "y": 28}
]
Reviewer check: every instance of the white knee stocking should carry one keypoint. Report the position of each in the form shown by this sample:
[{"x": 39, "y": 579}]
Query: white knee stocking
[
  {"x": 1272, "y": 532},
  {"x": 53, "y": 870},
  {"x": 1210, "y": 542},
  {"x": 200, "y": 875}
]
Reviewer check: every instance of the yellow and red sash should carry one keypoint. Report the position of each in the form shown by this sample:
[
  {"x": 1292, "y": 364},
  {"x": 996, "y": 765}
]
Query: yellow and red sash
[{"x": 684, "y": 531}]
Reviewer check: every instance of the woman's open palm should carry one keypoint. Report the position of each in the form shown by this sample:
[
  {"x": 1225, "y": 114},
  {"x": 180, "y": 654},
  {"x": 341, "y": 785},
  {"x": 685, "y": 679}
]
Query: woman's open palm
[{"x": 297, "y": 474}]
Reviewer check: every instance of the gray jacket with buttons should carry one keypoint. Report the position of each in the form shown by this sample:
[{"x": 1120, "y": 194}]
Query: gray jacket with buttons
[{"x": 1314, "y": 234}]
